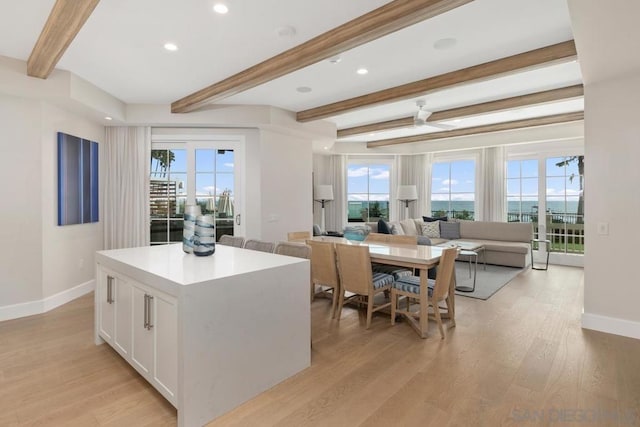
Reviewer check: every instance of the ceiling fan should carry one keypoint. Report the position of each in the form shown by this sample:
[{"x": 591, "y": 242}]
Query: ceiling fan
[{"x": 421, "y": 116}]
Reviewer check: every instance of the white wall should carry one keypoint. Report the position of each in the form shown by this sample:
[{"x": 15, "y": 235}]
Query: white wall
[
  {"x": 20, "y": 173},
  {"x": 67, "y": 251},
  {"x": 612, "y": 150},
  {"x": 285, "y": 184}
]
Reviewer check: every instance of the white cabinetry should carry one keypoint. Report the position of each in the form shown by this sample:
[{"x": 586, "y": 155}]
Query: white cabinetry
[{"x": 141, "y": 324}]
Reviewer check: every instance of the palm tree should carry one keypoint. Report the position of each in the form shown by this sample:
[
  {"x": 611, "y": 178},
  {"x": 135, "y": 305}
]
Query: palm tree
[
  {"x": 580, "y": 161},
  {"x": 164, "y": 159}
]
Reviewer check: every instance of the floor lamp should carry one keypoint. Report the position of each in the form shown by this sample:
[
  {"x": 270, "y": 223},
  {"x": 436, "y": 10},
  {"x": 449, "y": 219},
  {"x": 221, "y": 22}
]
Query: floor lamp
[
  {"x": 323, "y": 193},
  {"x": 406, "y": 194}
]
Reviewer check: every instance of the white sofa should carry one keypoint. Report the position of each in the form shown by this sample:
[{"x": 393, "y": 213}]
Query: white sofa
[{"x": 505, "y": 243}]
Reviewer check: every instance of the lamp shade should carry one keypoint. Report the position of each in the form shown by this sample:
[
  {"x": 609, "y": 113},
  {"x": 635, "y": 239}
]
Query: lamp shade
[
  {"x": 407, "y": 192},
  {"x": 323, "y": 192}
]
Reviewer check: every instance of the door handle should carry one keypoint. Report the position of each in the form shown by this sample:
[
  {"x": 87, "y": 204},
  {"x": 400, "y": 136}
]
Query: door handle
[{"x": 238, "y": 219}]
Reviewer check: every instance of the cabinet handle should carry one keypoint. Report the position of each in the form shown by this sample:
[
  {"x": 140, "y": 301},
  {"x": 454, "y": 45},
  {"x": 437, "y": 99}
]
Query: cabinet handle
[
  {"x": 146, "y": 311},
  {"x": 109, "y": 290},
  {"x": 149, "y": 314},
  {"x": 238, "y": 219}
]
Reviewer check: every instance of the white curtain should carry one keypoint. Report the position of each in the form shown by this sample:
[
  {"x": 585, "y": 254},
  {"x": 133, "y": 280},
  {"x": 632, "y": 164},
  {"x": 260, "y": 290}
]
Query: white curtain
[
  {"x": 493, "y": 183},
  {"x": 336, "y": 211},
  {"x": 126, "y": 187},
  {"x": 414, "y": 170}
]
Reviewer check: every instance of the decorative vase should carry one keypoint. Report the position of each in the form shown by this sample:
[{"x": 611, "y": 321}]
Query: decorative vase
[
  {"x": 204, "y": 240},
  {"x": 191, "y": 212}
]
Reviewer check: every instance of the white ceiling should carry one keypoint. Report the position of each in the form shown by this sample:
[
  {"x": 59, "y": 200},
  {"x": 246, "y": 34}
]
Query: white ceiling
[{"x": 120, "y": 49}]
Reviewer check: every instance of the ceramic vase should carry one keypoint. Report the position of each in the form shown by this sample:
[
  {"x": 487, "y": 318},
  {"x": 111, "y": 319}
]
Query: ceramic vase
[
  {"x": 191, "y": 212},
  {"x": 204, "y": 241}
]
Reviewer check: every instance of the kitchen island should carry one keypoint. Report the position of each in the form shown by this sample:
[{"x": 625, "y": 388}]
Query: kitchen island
[{"x": 209, "y": 333}]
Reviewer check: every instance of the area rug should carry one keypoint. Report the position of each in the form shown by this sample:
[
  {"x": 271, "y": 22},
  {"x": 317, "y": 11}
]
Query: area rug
[{"x": 487, "y": 282}]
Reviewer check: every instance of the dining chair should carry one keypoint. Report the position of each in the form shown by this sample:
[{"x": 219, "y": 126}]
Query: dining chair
[
  {"x": 324, "y": 271},
  {"x": 259, "y": 245},
  {"x": 403, "y": 239},
  {"x": 228, "y": 240},
  {"x": 298, "y": 235},
  {"x": 437, "y": 291},
  {"x": 377, "y": 237},
  {"x": 354, "y": 266},
  {"x": 294, "y": 249},
  {"x": 397, "y": 272}
]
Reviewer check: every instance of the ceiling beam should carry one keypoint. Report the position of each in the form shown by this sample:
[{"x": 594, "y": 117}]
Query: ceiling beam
[
  {"x": 65, "y": 21},
  {"x": 384, "y": 20},
  {"x": 471, "y": 110},
  {"x": 516, "y": 124},
  {"x": 489, "y": 70}
]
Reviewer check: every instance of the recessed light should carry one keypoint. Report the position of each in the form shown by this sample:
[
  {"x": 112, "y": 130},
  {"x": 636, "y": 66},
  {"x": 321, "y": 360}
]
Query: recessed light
[
  {"x": 286, "y": 31},
  {"x": 335, "y": 59},
  {"x": 108, "y": 118},
  {"x": 443, "y": 44},
  {"x": 362, "y": 71},
  {"x": 326, "y": 148},
  {"x": 220, "y": 8},
  {"x": 171, "y": 47},
  {"x": 372, "y": 134},
  {"x": 304, "y": 89}
]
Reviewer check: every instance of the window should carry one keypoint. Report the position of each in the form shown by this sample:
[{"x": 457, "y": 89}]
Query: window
[
  {"x": 549, "y": 191},
  {"x": 565, "y": 203},
  {"x": 368, "y": 188},
  {"x": 168, "y": 194},
  {"x": 522, "y": 191},
  {"x": 453, "y": 189},
  {"x": 192, "y": 174}
]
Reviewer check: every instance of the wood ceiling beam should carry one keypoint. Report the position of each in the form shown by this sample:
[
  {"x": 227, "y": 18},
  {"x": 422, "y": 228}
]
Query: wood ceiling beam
[
  {"x": 516, "y": 124},
  {"x": 65, "y": 21},
  {"x": 500, "y": 67},
  {"x": 472, "y": 110},
  {"x": 387, "y": 19}
]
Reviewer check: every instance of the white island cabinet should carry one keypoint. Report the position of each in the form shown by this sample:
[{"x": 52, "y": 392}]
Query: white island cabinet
[{"x": 209, "y": 333}]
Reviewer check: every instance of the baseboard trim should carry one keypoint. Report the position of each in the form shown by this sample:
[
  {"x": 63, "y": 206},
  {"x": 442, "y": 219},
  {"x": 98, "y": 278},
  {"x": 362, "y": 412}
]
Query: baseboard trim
[
  {"x": 30, "y": 308},
  {"x": 611, "y": 325}
]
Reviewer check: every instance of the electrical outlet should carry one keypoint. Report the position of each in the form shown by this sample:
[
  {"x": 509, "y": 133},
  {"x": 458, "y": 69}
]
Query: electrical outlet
[{"x": 603, "y": 228}]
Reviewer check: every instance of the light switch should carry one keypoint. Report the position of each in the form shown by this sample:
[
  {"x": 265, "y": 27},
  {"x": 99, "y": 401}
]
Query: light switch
[{"x": 603, "y": 228}]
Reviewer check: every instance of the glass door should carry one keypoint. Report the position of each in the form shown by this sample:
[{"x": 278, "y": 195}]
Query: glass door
[{"x": 205, "y": 173}]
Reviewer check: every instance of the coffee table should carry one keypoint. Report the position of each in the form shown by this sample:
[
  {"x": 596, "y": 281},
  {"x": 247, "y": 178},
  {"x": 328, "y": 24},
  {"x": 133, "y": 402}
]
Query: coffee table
[{"x": 472, "y": 250}]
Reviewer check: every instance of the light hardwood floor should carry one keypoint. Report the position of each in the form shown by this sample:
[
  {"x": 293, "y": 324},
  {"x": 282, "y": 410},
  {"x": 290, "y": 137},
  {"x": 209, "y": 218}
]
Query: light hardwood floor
[{"x": 519, "y": 358}]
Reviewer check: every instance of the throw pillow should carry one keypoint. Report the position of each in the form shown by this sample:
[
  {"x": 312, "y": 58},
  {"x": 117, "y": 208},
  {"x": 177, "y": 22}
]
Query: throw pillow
[
  {"x": 424, "y": 240},
  {"x": 409, "y": 227},
  {"x": 435, "y": 218},
  {"x": 383, "y": 227},
  {"x": 431, "y": 229},
  {"x": 450, "y": 230}
]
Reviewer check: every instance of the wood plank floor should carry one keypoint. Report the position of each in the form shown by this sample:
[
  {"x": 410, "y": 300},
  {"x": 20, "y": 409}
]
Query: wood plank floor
[{"x": 519, "y": 358}]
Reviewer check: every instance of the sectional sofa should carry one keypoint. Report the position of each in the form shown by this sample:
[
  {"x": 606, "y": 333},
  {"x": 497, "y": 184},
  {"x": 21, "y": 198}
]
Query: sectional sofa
[{"x": 505, "y": 243}]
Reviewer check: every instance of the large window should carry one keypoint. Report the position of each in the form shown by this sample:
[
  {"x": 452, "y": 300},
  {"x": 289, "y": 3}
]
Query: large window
[
  {"x": 368, "y": 188},
  {"x": 453, "y": 189},
  {"x": 549, "y": 193},
  {"x": 191, "y": 174}
]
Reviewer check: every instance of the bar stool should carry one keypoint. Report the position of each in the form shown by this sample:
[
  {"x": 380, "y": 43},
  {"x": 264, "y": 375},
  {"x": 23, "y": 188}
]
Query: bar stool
[{"x": 548, "y": 245}]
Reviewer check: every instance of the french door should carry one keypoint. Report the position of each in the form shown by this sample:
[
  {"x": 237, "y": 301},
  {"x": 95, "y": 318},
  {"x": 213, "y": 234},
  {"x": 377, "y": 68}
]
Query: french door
[{"x": 201, "y": 172}]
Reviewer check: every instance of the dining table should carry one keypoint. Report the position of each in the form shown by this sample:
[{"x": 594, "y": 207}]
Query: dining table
[{"x": 417, "y": 257}]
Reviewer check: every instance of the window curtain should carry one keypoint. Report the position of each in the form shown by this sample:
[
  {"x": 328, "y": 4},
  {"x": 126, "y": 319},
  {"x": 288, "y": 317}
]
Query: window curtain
[
  {"x": 415, "y": 170},
  {"x": 336, "y": 210},
  {"x": 126, "y": 187},
  {"x": 493, "y": 179}
]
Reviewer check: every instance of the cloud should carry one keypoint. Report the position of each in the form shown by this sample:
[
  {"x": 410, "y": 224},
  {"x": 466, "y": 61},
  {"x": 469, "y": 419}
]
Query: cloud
[
  {"x": 451, "y": 182},
  {"x": 358, "y": 172},
  {"x": 562, "y": 192},
  {"x": 379, "y": 174},
  {"x": 373, "y": 173},
  {"x": 229, "y": 165}
]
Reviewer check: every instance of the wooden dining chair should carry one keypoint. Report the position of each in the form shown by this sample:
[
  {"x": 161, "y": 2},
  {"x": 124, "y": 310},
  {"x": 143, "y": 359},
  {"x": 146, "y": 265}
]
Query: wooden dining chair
[
  {"x": 324, "y": 271},
  {"x": 436, "y": 292},
  {"x": 354, "y": 266},
  {"x": 235, "y": 241},
  {"x": 294, "y": 249},
  {"x": 298, "y": 235},
  {"x": 403, "y": 239},
  {"x": 259, "y": 245},
  {"x": 377, "y": 237}
]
